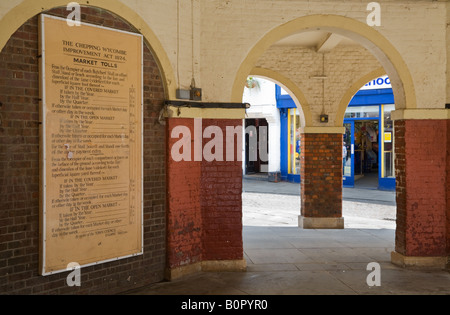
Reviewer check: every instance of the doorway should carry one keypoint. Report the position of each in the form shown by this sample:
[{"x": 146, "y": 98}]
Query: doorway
[
  {"x": 361, "y": 153},
  {"x": 256, "y": 141}
]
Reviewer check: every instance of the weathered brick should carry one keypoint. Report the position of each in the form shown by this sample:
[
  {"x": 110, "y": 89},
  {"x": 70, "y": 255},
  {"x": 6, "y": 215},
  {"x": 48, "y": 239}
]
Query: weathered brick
[
  {"x": 321, "y": 192},
  {"x": 205, "y": 206},
  {"x": 19, "y": 175},
  {"x": 421, "y": 187}
]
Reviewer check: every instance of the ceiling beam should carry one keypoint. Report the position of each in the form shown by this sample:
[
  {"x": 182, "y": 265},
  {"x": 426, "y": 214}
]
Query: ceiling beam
[{"x": 330, "y": 41}]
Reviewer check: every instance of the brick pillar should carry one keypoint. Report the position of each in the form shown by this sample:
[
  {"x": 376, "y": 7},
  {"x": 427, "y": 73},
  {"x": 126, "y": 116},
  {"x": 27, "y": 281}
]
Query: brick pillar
[
  {"x": 321, "y": 181},
  {"x": 222, "y": 200},
  {"x": 422, "y": 176},
  {"x": 448, "y": 188},
  {"x": 184, "y": 221},
  {"x": 204, "y": 203}
]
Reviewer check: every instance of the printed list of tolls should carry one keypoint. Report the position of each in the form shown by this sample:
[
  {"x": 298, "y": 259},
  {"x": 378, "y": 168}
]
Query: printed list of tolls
[{"x": 88, "y": 152}]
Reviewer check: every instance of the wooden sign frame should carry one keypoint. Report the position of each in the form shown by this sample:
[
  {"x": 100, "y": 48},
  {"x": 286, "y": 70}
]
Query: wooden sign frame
[{"x": 91, "y": 144}]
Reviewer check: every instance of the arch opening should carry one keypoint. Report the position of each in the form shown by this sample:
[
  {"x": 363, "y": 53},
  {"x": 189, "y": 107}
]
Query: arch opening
[
  {"x": 274, "y": 105},
  {"x": 368, "y": 141},
  {"x": 386, "y": 54},
  {"x": 389, "y": 61}
]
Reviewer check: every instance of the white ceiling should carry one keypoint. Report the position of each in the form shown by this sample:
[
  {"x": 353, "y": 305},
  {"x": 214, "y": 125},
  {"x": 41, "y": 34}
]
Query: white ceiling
[{"x": 315, "y": 40}]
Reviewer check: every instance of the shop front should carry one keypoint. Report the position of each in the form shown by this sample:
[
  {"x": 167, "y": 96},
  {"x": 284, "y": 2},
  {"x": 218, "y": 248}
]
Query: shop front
[
  {"x": 368, "y": 154},
  {"x": 368, "y": 142},
  {"x": 290, "y": 137}
]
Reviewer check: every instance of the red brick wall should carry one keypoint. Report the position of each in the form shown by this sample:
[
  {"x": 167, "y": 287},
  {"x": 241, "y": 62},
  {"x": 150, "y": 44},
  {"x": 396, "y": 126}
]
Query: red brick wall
[
  {"x": 421, "y": 164},
  {"x": 204, "y": 203},
  {"x": 448, "y": 187},
  {"x": 400, "y": 181},
  {"x": 184, "y": 220},
  {"x": 321, "y": 173},
  {"x": 19, "y": 175},
  {"x": 222, "y": 201}
]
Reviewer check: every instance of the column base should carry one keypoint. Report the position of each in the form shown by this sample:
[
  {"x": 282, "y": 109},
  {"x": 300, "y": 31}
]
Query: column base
[
  {"x": 224, "y": 265},
  {"x": 182, "y": 271},
  {"x": 210, "y": 265},
  {"x": 419, "y": 262},
  {"x": 320, "y": 223}
]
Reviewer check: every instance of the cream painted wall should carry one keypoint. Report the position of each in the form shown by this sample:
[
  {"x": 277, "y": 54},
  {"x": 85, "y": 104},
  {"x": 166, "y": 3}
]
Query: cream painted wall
[
  {"x": 415, "y": 28},
  {"x": 6, "y": 6},
  {"x": 448, "y": 52},
  {"x": 225, "y": 31},
  {"x": 343, "y": 67}
]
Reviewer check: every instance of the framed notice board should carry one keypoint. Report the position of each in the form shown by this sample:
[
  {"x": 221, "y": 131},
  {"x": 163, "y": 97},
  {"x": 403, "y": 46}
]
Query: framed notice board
[{"x": 91, "y": 144}]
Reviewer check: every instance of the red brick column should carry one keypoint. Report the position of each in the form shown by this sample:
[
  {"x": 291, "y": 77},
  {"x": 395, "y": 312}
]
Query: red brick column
[
  {"x": 448, "y": 188},
  {"x": 184, "y": 221},
  {"x": 222, "y": 201},
  {"x": 204, "y": 229},
  {"x": 321, "y": 184},
  {"x": 422, "y": 192}
]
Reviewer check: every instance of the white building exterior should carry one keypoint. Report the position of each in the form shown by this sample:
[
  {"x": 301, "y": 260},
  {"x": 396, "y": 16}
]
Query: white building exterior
[{"x": 263, "y": 105}]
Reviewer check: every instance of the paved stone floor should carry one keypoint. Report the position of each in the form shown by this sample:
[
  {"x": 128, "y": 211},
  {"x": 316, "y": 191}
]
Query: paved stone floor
[{"x": 285, "y": 260}]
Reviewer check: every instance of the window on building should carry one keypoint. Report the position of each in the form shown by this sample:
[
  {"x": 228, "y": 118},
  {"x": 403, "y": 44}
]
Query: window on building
[
  {"x": 362, "y": 112},
  {"x": 294, "y": 141},
  {"x": 387, "y": 142}
]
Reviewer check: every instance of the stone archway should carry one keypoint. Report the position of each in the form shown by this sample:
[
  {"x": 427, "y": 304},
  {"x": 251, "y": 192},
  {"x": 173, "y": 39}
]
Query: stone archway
[
  {"x": 322, "y": 181},
  {"x": 322, "y": 145},
  {"x": 296, "y": 93},
  {"x": 29, "y": 8},
  {"x": 351, "y": 92},
  {"x": 21, "y": 164},
  {"x": 366, "y": 36}
]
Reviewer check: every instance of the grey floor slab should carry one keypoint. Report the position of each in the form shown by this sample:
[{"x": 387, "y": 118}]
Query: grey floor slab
[
  {"x": 283, "y": 259},
  {"x": 361, "y": 194},
  {"x": 276, "y": 255}
]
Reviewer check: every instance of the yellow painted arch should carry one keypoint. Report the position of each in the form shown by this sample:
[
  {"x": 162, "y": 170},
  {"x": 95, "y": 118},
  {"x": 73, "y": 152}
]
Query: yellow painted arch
[
  {"x": 343, "y": 104},
  {"x": 297, "y": 95},
  {"x": 29, "y": 8},
  {"x": 368, "y": 37}
]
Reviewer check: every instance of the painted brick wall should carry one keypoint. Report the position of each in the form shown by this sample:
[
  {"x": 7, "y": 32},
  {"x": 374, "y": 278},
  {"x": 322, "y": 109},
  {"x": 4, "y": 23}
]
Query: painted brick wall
[
  {"x": 321, "y": 173},
  {"x": 343, "y": 67},
  {"x": 414, "y": 27},
  {"x": 19, "y": 176},
  {"x": 204, "y": 202},
  {"x": 448, "y": 187},
  {"x": 184, "y": 218},
  {"x": 448, "y": 53},
  {"x": 222, "y": 201},
  {"x": 421, "y": 170},
  {"x": 400, "y": 166}
]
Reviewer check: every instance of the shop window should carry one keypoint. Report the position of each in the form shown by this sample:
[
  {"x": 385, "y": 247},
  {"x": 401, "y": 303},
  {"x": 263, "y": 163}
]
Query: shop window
[
  {"x": 362, "y": 112},
  {"x": 387, "y": 142},
  {"x": 346, "y": 150},
  {"x": 366, "y": 143},
  {"x": 294, "y": 141}
]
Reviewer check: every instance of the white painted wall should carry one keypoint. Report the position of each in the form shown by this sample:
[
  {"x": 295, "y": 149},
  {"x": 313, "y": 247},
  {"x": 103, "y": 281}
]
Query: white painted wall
[{"x": 263, "y": 105}]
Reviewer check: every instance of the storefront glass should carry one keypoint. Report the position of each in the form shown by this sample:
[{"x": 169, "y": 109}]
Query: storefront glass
[
  {"x": 347, "y": 150},
  {"x": 362, "y": 112},
  {"x": 294, "y": 141},
  {"x": 366, "y": 146},
  {"x": 387, "y": 142}
]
